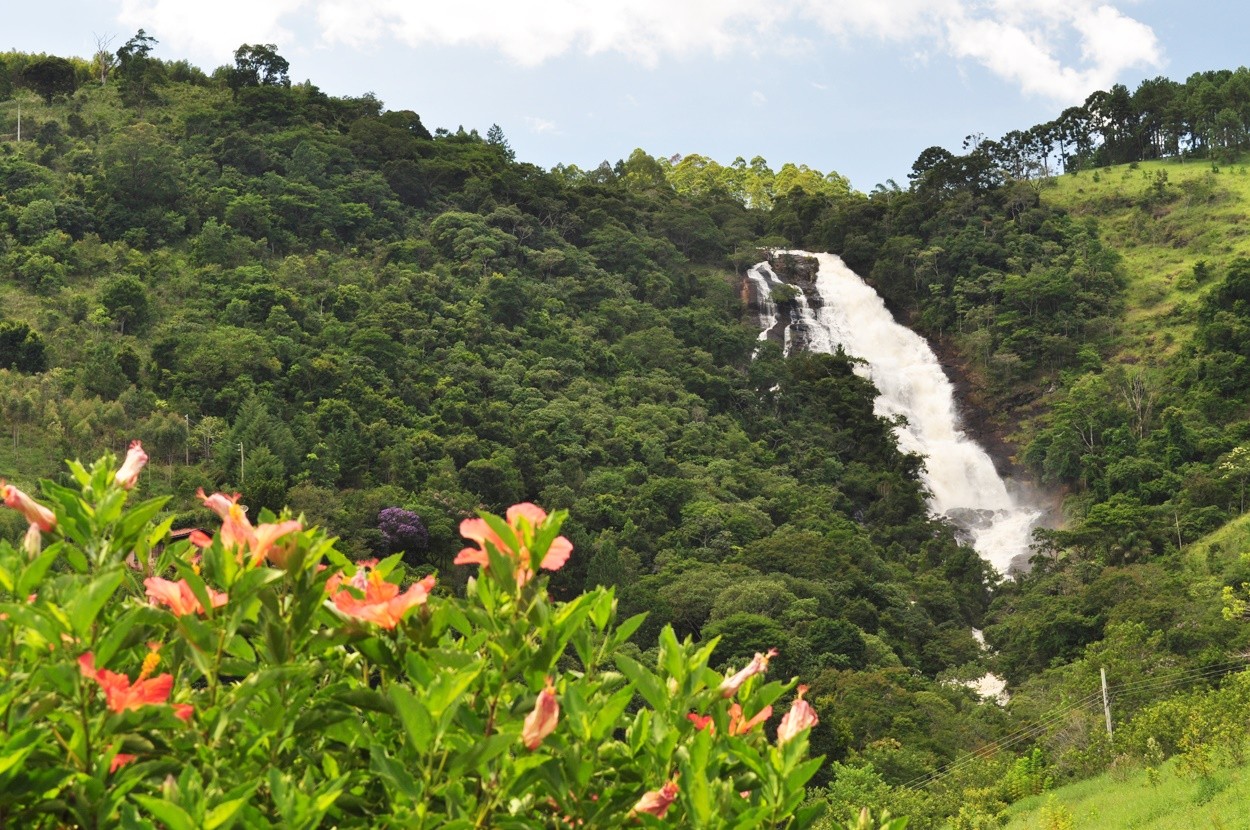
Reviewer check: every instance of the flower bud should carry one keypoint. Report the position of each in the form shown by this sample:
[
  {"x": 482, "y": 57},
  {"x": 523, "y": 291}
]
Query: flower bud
[
  {"x": 801, "y": 716},
  {"x": 129, "y": 473},
  {"x": 542, "y": 721}
]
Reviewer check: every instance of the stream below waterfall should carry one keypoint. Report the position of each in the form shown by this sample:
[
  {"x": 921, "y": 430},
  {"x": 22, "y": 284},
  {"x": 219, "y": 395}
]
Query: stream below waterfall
[{"x": 963, "y": 484}]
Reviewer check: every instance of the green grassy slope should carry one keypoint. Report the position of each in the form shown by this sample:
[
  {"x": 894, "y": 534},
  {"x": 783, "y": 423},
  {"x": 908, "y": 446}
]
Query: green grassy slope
[
  {"x": 1129, "y": 800},
  {"x": 1163, "y": 217}
]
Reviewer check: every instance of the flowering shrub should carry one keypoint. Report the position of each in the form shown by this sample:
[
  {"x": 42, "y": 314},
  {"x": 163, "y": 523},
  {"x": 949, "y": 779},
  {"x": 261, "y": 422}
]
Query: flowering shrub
[
  {"x": 258, "y": 678},
  {"x": 402, "y": 530}
]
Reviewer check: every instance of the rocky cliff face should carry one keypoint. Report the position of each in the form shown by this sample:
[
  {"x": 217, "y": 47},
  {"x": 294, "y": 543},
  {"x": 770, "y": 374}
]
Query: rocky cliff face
[
  {"x": 798, "y": 271},
  {"x": 764, "y": 311}
]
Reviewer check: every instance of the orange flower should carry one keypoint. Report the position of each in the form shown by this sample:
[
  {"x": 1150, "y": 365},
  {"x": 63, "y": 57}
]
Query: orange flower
[
  {"x": 119, "y": 693},
  {"x": 801, "y": 716},
  {"x": 478, "y": 531},
  {"x": 179, "y": 597},
  {"x": 700, "y": 722},
  {"x": 542, "y": 721},
  {"x": 382, "y": 603},
  {"x": 129, "y": 473},
  {"x": 267, "y": 534},
  {"x": 34, "y": 512},
  {"x": 739, "y": 726},
  {"x": 758, "y": 665},
  {"x": 237, "y": 532},
  {"x": 524, "y": 519},
  {"x": 120, "y": 760},
  {"x": 657, "y": 802},
  {"x": 359, "y": 580},
  {"x": 184, "y": 711},
  {"x": 200, "y": 539}
]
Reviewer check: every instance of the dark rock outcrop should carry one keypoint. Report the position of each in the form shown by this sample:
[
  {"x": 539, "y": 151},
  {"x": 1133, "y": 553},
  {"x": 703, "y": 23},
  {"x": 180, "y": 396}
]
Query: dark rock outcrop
[{"x": 799, "y": 271}]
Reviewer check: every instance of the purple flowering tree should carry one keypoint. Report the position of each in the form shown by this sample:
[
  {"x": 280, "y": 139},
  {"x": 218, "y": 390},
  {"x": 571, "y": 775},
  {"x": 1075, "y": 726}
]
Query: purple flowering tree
[{"x": 403, "y": 530}]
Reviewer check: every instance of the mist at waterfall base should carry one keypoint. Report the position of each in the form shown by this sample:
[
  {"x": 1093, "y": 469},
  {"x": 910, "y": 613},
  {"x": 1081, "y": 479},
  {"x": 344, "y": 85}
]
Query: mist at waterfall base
[{"x": 964, "y": 486}]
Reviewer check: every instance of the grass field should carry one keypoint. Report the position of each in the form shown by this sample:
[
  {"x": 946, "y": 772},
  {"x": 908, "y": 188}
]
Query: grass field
[
  {"x": 1164, "y": 217},
  {"x": 1130, "y": 801}
]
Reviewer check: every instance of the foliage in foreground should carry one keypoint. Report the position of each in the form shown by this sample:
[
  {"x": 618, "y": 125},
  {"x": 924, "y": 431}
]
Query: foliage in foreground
[{"x": 297, "y": 689}]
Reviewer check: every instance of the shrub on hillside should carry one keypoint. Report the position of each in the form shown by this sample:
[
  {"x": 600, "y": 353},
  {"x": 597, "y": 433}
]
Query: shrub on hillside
[{"x": 257, "y": 678}]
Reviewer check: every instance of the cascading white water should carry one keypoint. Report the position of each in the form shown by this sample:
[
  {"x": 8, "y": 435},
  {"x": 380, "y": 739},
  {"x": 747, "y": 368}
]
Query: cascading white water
[
  {"x": 960, "y": 477},
  {"x": 764, "y": 291}
]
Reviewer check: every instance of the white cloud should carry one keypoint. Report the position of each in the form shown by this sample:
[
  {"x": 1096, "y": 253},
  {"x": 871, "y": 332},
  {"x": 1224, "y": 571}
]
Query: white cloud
[
  {"x": 213, "y": 30},
  {"x": 1023, "y": 48},
  {"x": 1022, "y": 41},
  {"x": 898, "y": 20},
  {"x": 758, "y": 98},
  {"x": 532, "y": 31},
  {"x": 540, "y": 125}
]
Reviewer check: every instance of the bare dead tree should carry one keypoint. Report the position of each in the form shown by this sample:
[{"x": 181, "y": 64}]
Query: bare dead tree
[
  {"x": 103, "y": 61},
  {"x": 1140, "y": 398}
]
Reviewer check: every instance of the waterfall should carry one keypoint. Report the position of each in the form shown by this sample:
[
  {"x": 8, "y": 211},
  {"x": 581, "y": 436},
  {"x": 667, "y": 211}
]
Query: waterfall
[{"x": 964, "y": 487}]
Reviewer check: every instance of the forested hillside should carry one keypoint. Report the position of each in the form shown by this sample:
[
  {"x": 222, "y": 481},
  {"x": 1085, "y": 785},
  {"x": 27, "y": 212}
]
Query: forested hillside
[
  {"x": 1098, "y": 310},
  {"x": 323, "y": 303}
]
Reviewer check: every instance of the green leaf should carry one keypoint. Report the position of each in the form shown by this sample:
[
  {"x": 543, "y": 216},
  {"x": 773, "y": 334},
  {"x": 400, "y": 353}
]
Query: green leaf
[
  {"x": 609, "y": 713},
  {"x": 241, "y": 648},
  {"x": 85, "y": 606},
  {"x": 224, "y": 813},
  {"x": 160, "y": 532},
  {"x": 415, "y": 718},
  {"x": 604, "y": 607},
  {"x": 447, "y": 689},
  {"x": 139, "y": 515},
  {"x": 544, "y": 535},
  {"x": 390, "y": 770},
  {"x": 388, "y": 564},
  {"x": 649, "y": 686},
  {"x": 480, "y": 753},
  {"x": 253, "y": 581},
  {"x": 12, "y": 759},
  {"x": 170, "y": 814},
  {"x": 638, "y": 731},
  {"x": 79, "y": 472},
  {"x": 116, "y": 634},
  {"x": 800, "y": 775},
  {"x": 626, "y": 629},
  {"x": 326, "y": 800},
  {"x": 501, "y": 528},
  {"x": 33, "y": 573},
  {"x": 672, "y": 655},
  {"x": 109, "y": 508},
  {"x": 338, "y": 559},
  {"x": 76, "y": 558}
]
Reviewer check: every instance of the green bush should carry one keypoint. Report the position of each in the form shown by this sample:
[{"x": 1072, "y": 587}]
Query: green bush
[{"x": 275, "y": 683}]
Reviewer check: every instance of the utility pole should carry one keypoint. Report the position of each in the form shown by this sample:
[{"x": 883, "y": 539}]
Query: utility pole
[
  {"x": 241, "y": 472},
  {"x": 1106, "y": 702},
  {"x": 19, "y": 122},
  {"x": 186, "y": 443}
]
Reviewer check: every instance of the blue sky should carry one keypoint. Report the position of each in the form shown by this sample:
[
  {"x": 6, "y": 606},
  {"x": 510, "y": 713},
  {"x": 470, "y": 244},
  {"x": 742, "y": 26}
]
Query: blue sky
[{"x": 856, "y": 86}]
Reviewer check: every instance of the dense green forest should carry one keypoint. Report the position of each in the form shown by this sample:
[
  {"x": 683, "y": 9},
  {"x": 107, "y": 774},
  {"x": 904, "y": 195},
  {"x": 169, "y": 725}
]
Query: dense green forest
[{"x": 322, "y": 303}]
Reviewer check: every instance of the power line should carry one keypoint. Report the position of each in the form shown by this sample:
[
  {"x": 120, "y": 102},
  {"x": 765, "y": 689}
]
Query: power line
[
  {"x": 1022, "y": 734},
  {"x": 1149, "y": 684},
  {"x": 1182, "y": 674}
]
